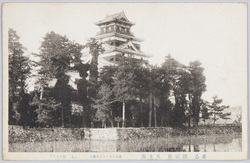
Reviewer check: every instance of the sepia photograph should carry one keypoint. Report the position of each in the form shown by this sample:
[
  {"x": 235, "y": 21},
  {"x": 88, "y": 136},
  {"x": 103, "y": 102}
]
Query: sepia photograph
[{"x": 125, "y": 81}]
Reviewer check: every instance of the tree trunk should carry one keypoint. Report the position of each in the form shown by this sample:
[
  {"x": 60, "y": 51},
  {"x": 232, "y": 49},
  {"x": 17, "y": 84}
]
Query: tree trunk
[
  {"x": 111, "y": 120},
  {"x": 123, "y": 114},
  {"x": 155, "y": 119},
  {"x": 214, "y": 119},
  {"x": 189, "y": 121},
  {"x": 62, "y": 116},
  {"x": 70, "y": 121},
  {"x": 87, "y": 120},
  {"x": 189, "y": 145},
  {"x": 194, "y": 115},
  {"x": 150, "y": 111},
  {"x": 141, "y": 117},
  {"x": 41, "y": 94},
  {"x": 196, "y": 110},
  {"x": 205, "y": 146},
  {"x": 84, "y": 123}
]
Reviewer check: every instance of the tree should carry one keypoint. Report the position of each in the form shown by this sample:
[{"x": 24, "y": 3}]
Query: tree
[
  {"x": 57, "y": 53},
  {"x": 107, "y": 75},
  {"x": 89, "y": 88},
  {"x": 151, "y": 96},
  {"x": 95, "y": 48},
  {"x": 205, "y": 111},
  {"x": 225, "y": 116},
  {"x": 27, "y": 114},
  {"x": 62, "y": 93},
  {"x": 158, "y": 92},
  {"x": 82, "y": 92},
  {"x": 45, "y": 109},
  {"x": 238, "y": 112},
  {"x": 176, "y": 80},
  {"x": 218, "y": 109},
  {"x": 184, "y": 92},
  {"x": 82, "y": 84},
  {"x": 123, "y": 84},
  {"x": 103, "y": 105},
  {"x": 19, "y": 70},
  {"x": 141, "y": 85},
  {"x": 197, "y": 88}
]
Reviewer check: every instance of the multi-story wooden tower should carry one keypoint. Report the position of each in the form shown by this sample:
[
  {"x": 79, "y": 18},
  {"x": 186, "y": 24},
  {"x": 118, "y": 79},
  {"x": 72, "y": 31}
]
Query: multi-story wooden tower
[{"x": 118, "y": 40}]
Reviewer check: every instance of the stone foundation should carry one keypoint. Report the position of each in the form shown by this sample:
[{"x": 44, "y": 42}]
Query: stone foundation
[
  {"x": 103, "y": 134},
  {"x": 68, "y": 134}
]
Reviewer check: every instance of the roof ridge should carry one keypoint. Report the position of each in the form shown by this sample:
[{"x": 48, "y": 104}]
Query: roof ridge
[{"x": 115, "y": 16}]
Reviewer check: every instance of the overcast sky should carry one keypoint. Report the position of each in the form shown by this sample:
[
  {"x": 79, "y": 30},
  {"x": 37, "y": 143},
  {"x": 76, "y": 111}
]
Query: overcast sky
[{"x": 214, "y": 34}]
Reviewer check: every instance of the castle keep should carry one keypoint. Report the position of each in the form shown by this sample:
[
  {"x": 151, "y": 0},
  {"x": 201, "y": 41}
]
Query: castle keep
[{"x": 118, "y": 40}]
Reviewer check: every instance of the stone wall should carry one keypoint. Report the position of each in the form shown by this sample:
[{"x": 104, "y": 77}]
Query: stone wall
[
  {"x": 103, "y": 134},
  {"x": 165, "y": 132},
  {"x": 145, "y": 132},
  {"x": 46, "y": 134},
  {"x": 68, "y": 134}
]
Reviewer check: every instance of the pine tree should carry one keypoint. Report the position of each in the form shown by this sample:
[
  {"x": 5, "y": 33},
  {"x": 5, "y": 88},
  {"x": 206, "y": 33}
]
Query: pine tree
[
  {"x": 103, "y": 105},
  {"x": 19, "y": 70},
  {"x": 107, "y": 75},
  {"x": 82, "y": 92},
  {"x": 198, "y": 87},
  {"x": 95, "y": 48},
  {"x": 57, "y": 53},
  {"x": 141, "y": 85},
  {"x": 176, "y": 80},
  {"x": 45, "y": 109},
  {"x": 205, "y": 111},
  {"x": 218, "y": 109},
  {"x": 123, "y": 84}
]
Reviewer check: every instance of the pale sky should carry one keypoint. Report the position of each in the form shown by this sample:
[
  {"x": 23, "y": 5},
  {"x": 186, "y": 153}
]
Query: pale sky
[{"x": 214, "y": 34}]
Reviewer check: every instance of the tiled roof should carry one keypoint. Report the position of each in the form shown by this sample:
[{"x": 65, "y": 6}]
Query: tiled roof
[
  {"x": 119, "y": 35},
  {"x": 125, "y": 48},
  {"x": 117, "y": 16}
]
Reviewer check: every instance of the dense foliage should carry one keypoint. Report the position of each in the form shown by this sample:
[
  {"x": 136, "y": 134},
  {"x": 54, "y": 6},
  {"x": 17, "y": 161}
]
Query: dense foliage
[
  {"x": 19, "y": 69},
  {"x": 132, "y": 92}
]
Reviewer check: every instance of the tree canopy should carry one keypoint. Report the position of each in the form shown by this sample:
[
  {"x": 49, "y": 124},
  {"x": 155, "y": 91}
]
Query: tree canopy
[{"x": 131, "y": 90}]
